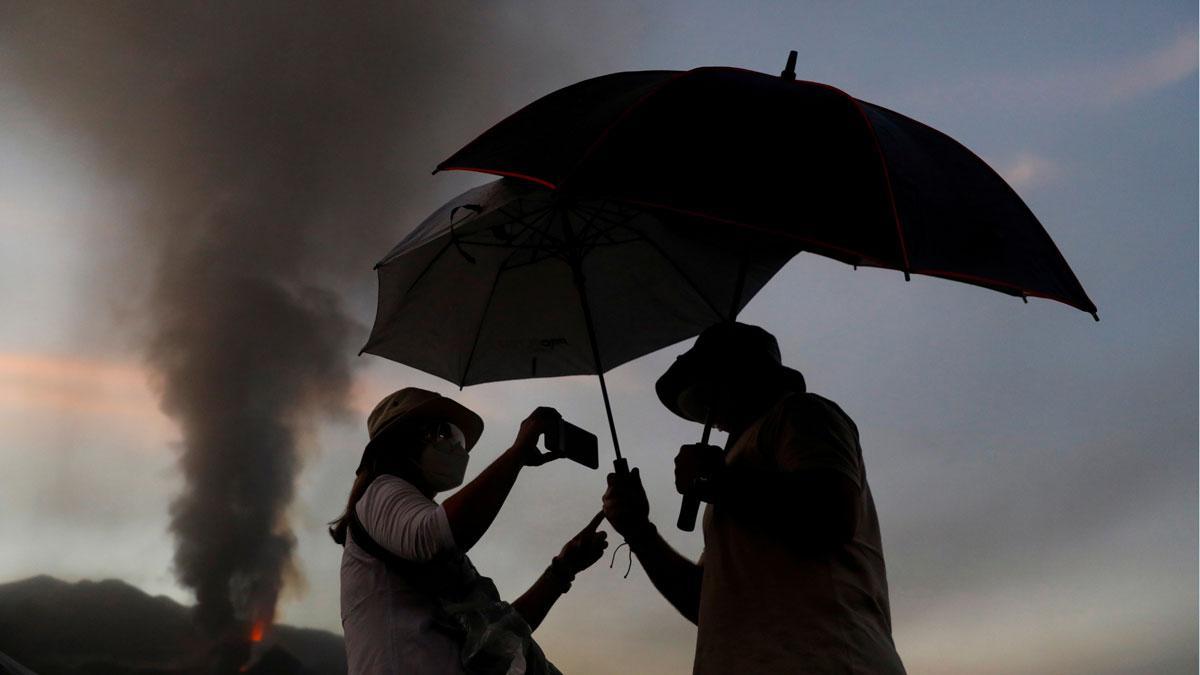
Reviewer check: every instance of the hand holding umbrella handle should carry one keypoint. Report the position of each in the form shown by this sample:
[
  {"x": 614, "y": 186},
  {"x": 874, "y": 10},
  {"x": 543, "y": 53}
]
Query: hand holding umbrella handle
[{"x": 691, "y": 503}]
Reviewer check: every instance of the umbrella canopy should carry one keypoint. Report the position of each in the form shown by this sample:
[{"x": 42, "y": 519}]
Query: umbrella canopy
[
  {"x": 505, "y": 281},
  {"x": 511, "y": 280},
  {"x": 842, "y": 177}
]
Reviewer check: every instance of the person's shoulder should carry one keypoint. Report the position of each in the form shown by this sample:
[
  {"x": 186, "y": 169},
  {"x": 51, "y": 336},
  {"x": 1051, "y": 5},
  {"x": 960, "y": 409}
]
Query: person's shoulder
[
  {"x": 387, "y": 487},
  {"x": 811, "y": 408},
  {"x": 392, "y": 481},
  {"x": 806, "y": 401}
]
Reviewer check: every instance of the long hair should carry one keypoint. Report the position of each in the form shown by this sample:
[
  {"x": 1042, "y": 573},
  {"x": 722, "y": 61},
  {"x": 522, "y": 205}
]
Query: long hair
[
  {"x": 383, "y": 455},
  {"x": 338, "y": 527}
]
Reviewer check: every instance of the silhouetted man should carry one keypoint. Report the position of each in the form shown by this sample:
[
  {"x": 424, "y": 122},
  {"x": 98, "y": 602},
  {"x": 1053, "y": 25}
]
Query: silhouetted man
[{"x": 792, "y": 576}]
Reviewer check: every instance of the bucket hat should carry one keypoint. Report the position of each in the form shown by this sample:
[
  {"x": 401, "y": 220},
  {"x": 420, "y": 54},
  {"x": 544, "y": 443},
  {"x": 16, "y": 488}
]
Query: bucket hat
[
  {"x": 412, "y": 403},
  {"x": 728, "y": 350}
]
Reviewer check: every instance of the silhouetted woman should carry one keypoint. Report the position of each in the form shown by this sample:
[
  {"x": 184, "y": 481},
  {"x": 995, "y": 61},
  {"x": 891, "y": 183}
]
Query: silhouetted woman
[{"x": 411, "y": 600}]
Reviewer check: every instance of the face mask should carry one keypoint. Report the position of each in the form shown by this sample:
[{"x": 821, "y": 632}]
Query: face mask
[{"x": 443, "y": 462}]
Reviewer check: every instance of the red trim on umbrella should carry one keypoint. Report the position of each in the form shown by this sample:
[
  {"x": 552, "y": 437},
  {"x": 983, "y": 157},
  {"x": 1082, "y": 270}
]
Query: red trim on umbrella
[
  {"x": 887, "y": 181},
  {"x": 996, "y": 174},
  {"x": 978, "y": 280},
  {"x": 869, "y": 261},
  {"x": 864, "y": 260},
  {"x": 887, "y": 178},
  {"x": 497, "y": 172},
  {"x": 621, "y": 117}
]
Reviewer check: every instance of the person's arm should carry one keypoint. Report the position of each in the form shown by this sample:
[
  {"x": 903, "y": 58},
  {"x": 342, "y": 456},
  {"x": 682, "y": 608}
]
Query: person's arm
[
  {"x": 398, "y": 517},
  {"x": 675, "y": 577},
  {"x": 535, "y": 603},
  {"x": 472, "y": 509},
  {"x": 580, "y": 553}
]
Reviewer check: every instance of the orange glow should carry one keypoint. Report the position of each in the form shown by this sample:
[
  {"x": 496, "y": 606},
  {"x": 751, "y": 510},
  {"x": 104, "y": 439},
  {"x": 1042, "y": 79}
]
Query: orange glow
[
  {"x": 80, "y": 386},
  {"x": 256, "y": 633}
]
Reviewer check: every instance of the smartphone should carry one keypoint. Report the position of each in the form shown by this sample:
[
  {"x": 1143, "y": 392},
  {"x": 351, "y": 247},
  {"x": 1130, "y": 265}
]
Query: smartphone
[{"x": 573, "y": 443}]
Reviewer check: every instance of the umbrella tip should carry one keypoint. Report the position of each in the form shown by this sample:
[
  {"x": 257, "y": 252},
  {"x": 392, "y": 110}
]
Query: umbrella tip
[{"x": 789, "y": 73}]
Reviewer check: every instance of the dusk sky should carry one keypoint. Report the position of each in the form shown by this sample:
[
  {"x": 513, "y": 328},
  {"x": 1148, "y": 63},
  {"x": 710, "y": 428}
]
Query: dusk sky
[{"x": 1035, "y": 472}]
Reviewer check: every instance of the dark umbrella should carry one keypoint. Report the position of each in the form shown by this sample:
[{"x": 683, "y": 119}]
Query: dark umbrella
[
  {"x": 842, "y": 177},
  {"x": 727, "y": 153}
]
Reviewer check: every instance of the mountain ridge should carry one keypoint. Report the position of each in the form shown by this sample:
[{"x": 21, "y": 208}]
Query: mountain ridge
[{"x": 110, "y": 627}]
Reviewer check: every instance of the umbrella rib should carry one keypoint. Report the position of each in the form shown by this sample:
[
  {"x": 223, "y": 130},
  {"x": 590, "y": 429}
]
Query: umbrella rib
[
  {"x": 532, "y": 261},
  {"x": 428, "y": 267},
  {"x": 641, "y": 236},
  {"x": 617, "y": 220},
  {"x": 621, "y": 117},
  {"x": 542, "y": 233},
  {"x": 479, "y": 329},
  {"x": 448, "y": 244},
  {"x": 522, "y": 215},
  {"x": 887, "y": 183},
  {"x": 488, "y": 244},
  {"x": 590, "y": 234},
  {"x": 518, "y": 218},
  {"x": 671, "y": 261},
  {"x": 488, "y": 305},
  {"x": 545, "y": 216}
]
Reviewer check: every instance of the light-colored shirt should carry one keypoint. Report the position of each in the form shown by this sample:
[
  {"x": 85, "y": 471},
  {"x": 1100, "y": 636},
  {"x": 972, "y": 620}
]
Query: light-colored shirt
[
  {"x": 766, "y": 607},
  {"x": 388, "y": 623}
]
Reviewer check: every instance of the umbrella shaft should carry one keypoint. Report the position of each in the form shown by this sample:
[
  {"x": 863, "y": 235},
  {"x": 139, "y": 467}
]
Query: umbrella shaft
[
  {"x": 576, "y": 268},
  {"x": 612, "y": 427}
]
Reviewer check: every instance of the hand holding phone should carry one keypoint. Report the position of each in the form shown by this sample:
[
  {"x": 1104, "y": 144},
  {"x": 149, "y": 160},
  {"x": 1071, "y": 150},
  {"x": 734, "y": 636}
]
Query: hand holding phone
[{"x": 567, "y": 440}]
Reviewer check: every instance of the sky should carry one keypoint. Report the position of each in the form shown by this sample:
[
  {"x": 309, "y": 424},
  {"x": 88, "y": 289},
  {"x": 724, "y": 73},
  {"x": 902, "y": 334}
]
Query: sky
[{"x": 1035, "y": 472}]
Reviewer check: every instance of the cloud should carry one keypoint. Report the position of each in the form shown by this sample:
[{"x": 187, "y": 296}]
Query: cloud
[
  {"x": 1028, "y": 170},
  {"x": 1150, "y": 72},
  {"x": 1067, "y": 85}
]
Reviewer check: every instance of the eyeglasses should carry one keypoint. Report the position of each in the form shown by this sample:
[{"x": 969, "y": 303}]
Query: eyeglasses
[{"x": 439, "y": 431}]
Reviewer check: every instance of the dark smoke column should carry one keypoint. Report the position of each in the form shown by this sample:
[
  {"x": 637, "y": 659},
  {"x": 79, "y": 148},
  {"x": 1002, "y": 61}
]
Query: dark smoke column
[
  {"x": 246, "y": 364},
  {"x": 276, "y": 151}
]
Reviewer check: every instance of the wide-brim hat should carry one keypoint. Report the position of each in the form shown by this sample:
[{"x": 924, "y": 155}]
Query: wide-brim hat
[
  {"x": 725, "y": 351},
  {"x": 413, "y": 404}
]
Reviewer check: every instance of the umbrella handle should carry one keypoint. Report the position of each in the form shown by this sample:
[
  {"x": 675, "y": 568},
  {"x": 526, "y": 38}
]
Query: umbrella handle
[
  {"x": 691, "y": 503},
  {"x": 687, "y": 513},
  {"x": 621, "y": 466}
]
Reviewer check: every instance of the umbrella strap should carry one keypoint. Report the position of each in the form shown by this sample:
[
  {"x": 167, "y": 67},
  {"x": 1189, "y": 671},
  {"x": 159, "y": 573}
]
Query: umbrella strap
[{"x": 474, "y": 208}]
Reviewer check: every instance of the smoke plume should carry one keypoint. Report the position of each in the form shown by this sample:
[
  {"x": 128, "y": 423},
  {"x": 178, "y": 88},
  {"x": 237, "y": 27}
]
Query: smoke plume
[{"x": 276, "y": 149}]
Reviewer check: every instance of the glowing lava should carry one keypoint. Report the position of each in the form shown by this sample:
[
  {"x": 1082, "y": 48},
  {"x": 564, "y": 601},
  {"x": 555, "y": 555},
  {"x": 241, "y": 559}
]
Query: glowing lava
[{"x": 256, "y": 633}]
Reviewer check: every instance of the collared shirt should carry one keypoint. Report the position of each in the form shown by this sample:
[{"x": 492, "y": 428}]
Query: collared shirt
[{"x": 766, "y": 607}]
